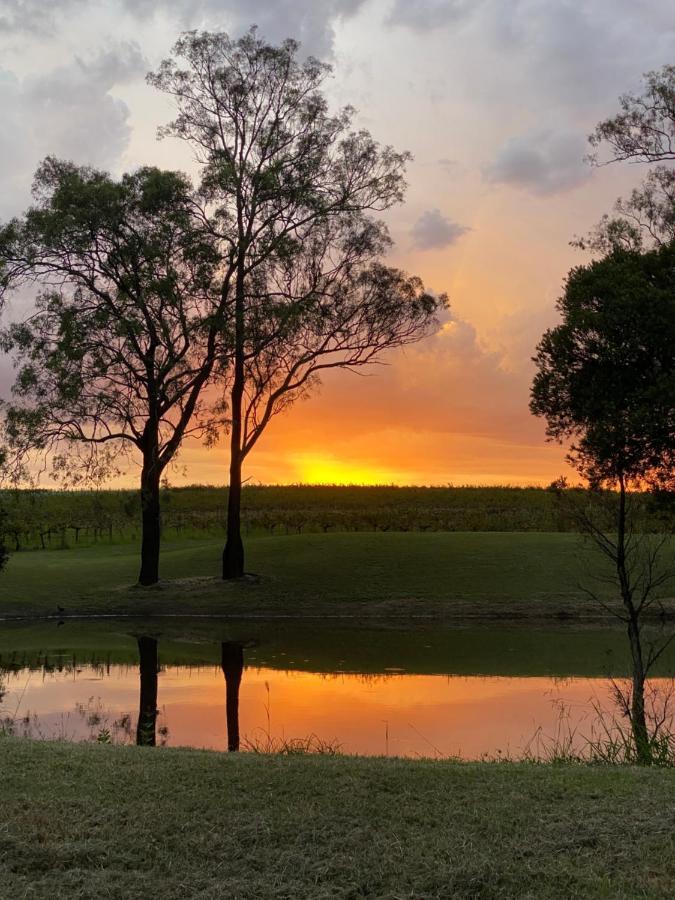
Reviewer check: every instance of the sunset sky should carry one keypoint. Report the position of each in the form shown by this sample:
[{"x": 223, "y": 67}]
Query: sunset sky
[{"x": 495, "y": 99}]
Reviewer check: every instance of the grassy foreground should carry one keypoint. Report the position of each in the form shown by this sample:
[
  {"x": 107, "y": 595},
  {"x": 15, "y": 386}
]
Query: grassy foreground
[
  {"x": 454, "y": 575},
  {"x": 83, "y": 821}
]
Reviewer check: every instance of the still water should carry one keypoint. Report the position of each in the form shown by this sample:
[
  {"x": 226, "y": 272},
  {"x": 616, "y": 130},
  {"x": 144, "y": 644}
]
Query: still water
[{"x": 433, "y": 691}]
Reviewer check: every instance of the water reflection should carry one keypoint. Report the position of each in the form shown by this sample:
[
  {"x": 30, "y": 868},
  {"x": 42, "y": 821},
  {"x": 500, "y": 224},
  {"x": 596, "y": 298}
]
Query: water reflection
[
  {"x": 232, "y": 664},
  {"x": 371, "y": 693},
  {"x": 146, "y": 729}
]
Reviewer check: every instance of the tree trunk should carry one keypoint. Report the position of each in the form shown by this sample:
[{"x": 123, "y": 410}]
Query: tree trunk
[
  {"x": 147, "y": 708},
  {"x": 233, "y": 554},
  {"x": 150, "y": 511},
  {"x": 638, "y": 719},
  {"x": 232, "y": 662}
]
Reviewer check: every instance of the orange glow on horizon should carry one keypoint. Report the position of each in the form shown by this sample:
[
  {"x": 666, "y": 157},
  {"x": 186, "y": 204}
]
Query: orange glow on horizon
[{"x": 326, "y": 469}]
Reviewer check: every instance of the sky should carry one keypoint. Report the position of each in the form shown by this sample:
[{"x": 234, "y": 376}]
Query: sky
[{"x": 494, "y": 99}]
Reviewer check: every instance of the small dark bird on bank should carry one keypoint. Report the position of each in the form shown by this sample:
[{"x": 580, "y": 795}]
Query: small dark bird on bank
[{"x": 60, "y": 609}]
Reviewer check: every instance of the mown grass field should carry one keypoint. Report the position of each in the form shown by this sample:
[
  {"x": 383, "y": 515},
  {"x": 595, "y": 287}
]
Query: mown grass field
[
  {"x": 456, "y": 575},
  {"x": 84, "y": 821}
]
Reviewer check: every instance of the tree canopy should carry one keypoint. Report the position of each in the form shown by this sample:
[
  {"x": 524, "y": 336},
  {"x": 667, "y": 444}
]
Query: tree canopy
[
  {"x": 290, "y": 190},
  {"x": 643, "y": 131},
  {"x": 125, "y": 331},
  {"x": 606, "y": 375},
  {"x": 605, "y": 381}
]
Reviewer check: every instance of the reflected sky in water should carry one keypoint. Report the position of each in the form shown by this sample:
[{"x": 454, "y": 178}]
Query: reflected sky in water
[
  {"x": 403, "y": 689},
  {"x": 391, "y": 713}
]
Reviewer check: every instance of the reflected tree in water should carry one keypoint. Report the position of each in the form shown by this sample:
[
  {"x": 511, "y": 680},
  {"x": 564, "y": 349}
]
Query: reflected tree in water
[
  {"x": 232, "y": 663},
  {"x": 146, "y": 734}
]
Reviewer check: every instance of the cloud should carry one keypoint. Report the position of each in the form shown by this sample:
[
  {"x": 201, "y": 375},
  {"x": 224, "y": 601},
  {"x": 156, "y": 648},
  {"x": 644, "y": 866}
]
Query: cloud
[
  {"x": 433, "y": 231},
  {"x": 428, "y": 15},
  {"x": 578, "y": 54},
  {"x": 541, "y": 162},
  {"x": 309, "y": 21},
  {"x": 586, "y": 53},
  {"x": 69, "y": 112},
  {"x": 449, "y": 166},
  {"x": 39, "y": 17}
]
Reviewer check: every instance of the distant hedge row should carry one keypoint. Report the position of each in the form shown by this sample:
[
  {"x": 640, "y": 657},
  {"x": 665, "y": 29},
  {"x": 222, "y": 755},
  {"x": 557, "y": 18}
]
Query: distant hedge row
[{"x": 60, "y": 519}]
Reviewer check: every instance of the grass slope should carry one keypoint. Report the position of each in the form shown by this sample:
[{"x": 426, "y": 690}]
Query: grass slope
[
  {"x": 95, "y": 821},
  {"x": 507, "y": 575}
]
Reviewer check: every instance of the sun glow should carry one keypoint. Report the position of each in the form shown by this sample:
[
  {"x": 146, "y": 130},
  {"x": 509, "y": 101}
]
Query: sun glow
[{"x": 324, "y": 469}]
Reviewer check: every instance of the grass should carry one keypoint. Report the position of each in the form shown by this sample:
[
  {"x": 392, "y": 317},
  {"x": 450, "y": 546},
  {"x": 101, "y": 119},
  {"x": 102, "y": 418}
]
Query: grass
[
  {"x": 97, "y": 821},
  {"x": 455, "y": 575}
]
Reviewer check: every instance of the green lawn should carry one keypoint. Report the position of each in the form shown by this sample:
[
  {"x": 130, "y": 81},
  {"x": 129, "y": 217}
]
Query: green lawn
[
  {"x": 507, "y": 575},
  {"x": 85, "y": 821}
]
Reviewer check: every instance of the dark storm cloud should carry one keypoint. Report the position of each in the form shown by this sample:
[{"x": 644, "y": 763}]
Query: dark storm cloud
[
  {"x": 541, "y": 162},
  {"x": 433, "y": 231}
]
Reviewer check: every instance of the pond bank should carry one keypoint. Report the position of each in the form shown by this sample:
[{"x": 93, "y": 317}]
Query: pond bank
[
  {"x": 447, "y": 576},
  {"x": 95, "y": 820}
]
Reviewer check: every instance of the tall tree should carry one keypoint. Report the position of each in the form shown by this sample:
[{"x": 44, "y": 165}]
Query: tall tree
[
  {"x": 606, "y": 381},
  {"x": 643, "y": 131},
  {"x": 288, "y": 189},
  {"x": 125, "y": 332}
]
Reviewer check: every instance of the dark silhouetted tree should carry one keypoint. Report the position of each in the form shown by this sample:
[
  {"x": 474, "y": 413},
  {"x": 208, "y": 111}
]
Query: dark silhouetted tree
[
  {"x": 289, "y": 190},
  {"x": 643, "y": 131},
  {"x": 605, "y": 381},
  {"x": 125, "y": 332}
]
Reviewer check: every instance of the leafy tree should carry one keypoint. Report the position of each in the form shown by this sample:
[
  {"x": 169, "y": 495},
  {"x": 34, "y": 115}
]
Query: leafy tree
[
  {"x": 606, "y": 382},
  {"x": 125, "y": 332},
  {"x": 642, "y": 131},
  {"x": 289, "y": 189}
]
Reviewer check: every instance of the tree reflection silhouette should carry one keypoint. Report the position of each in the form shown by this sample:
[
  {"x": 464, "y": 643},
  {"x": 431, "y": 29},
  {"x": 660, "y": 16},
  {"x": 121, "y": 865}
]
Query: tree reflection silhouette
[
  {"x": 147, "y": 710},
  {"x": 232, "y": 663}
]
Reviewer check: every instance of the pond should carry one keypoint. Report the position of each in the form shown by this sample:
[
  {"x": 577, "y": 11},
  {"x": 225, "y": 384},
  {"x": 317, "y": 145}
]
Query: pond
[{"x": 431, "y": 690}]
